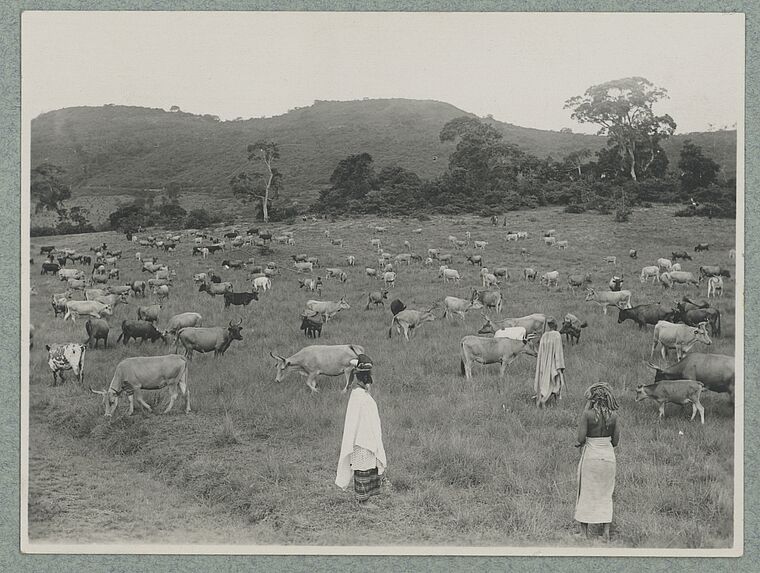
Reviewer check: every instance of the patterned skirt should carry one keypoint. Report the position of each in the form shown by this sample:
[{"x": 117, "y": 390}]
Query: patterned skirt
[{"x": 366, "y": 483}]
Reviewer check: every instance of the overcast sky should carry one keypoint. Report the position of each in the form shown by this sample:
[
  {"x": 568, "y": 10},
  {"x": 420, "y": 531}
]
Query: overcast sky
[{"x": 518, "y": 67}]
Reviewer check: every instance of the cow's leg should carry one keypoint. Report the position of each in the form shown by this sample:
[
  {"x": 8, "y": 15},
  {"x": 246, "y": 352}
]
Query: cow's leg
[
  {"x": 605, "y": 310},
  {"x": 406, "y": 332},
  {"x": 662, "y": 409},
  {"x": 131, "y": 404},
  {"x": 311, "y": 382},
  {"x": 55, "y": 378},
  {"x": 143, "y": 403},
  {"x": 347, "y": 373}
]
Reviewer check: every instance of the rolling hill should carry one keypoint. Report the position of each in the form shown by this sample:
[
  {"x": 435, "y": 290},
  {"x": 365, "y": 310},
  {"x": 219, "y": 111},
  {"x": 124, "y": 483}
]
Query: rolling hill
[{"x": 117, "y": 150}]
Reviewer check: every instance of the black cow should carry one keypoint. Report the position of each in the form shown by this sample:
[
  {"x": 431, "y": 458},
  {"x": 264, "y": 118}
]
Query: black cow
[
  {"x": 62, "y": 261},
  {"x": 252, "y": 231},
  {"x": 141, "y": 329},
  {"x": 693, "y": 316},
  {"x": 213, "y": 277},
  {"x": 97, "y": 329},
  {"x": 702, "y": 247},
  {"x": 397, "y": 306},
  {"x": 572, "y": 329},
  {"x": 86, "y": 260},
  {"x": 680, "y": 255},
  {"x": 168, "y": 246},
  {"x": 51, "y": 268},
  {"x": 239, "y": 298},
  {"x": 644, "y": 314},
  {"x": 312, "y": 327},
  {"x": 231, "y": 235},
  {"x": 48, "y": 249},
  {"x": 266, "y": 237},
  {"x": 214, "y": 248}
]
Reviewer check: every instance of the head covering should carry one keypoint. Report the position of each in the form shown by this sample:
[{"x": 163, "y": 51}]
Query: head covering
[
  {"x": 363, "y": 369},
  {"x": 551, "y": 323},
  {"x": 602, "y": 400}
]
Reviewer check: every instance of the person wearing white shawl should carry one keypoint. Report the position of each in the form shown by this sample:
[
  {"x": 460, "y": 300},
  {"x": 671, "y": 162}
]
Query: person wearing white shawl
[
  {"x": 362, "y": 454},
  {"x": 550, "y": 365}
]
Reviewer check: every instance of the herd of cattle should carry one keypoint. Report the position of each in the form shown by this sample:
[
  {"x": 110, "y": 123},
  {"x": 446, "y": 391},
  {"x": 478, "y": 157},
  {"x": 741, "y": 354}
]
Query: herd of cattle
[{"x": 498, "y": 341}]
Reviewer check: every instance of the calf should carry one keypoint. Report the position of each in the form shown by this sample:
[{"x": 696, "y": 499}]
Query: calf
[
  {"x": 311, "y": 325},
  {"x": 376, "y": 297},
  {"x": 63, "y": 357},
  {"x": 407, "y": 320},
  {"x": 680, "y": 392},
  {"x": 715, "y": 287},
  {"x": 571, "y": 328}
]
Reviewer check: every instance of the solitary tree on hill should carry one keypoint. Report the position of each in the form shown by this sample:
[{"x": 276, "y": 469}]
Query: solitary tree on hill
[
  {"x": 623, "y": 109},
  {"x": 264, "y": 187}
]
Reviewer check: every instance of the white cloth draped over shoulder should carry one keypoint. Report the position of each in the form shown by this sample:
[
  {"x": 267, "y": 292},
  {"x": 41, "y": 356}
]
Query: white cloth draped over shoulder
[{"x": 362, "y": 428}]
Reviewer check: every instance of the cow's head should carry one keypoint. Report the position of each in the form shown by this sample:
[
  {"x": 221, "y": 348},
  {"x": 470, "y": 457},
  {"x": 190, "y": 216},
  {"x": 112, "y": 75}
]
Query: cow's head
[
  {"x": 282, "y": 365},
  {"x": 488, "y": 327},
  {"x": 203, "y": 287},
  {"x": 107, "y": 310},
  {"x": 641, "y": 392},
  {"x": 343, "y": 303},
  {"x": 110, "y": 400},
  {"x": 590, "y": 294},
  {"x": 234, "y": 330},
  {"x": 622, "y": 315},
  {"x": 700, "y": 333}
]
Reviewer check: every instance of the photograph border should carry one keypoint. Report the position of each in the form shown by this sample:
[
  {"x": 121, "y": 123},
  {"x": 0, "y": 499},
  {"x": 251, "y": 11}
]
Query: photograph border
[{"x": 10, "y": 390}]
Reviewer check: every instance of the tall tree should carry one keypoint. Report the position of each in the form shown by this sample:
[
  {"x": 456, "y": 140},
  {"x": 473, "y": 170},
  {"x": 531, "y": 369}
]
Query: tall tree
[
  {"x": 623, "y": 110},
  {"x": 696, "y": 169},
  {"x": 576, "y": 159},
  {"x": 172, "y": 193},
  {"x": 47, "y": 190},
  {"x": 266, "y": 152}
]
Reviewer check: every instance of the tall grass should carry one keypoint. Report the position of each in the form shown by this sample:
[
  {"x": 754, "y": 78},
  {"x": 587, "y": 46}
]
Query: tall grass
[{"x": 470, "y": 463}]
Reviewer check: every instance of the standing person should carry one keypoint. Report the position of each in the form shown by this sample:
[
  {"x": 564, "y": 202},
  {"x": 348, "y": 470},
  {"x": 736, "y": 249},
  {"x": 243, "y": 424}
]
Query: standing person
[
  {"x": 550, "y": 365},
  {"x": 362, "y": 453},
  {"x": 598, "y": 434}
]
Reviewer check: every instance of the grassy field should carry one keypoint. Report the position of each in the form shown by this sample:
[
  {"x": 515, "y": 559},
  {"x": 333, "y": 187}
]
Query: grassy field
[{"x": 469, "y": 466}]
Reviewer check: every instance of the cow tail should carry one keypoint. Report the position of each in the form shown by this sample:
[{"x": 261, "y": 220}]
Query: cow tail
[
  {"x": 717, "y": 324},
  {"x": 390, "y": 330},
  {"x": 353, "y": 348},
  {"x": 88, "y": 328},
  {"x": 584, "y": 324}
]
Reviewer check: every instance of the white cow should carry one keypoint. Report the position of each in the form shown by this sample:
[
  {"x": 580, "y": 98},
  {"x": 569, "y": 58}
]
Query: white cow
[
  {"x": 715, "y": 286},
  {"x": 650, "y": 271}
]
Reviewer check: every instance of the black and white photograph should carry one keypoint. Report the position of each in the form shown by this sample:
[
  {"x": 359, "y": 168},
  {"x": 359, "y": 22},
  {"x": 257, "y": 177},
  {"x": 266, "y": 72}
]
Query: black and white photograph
[{"x": 382, "y": 283}]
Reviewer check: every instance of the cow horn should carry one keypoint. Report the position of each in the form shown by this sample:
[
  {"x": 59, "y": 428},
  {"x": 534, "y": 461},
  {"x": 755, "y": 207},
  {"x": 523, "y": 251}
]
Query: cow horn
[
  {"x": 101, "y": 392},
  {"x": 650, "y": 365},
  {"x": 239, "y": 322}
]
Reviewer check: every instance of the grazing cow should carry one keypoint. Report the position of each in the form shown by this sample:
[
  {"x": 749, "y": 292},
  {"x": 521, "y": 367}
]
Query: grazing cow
[
  {"x": 389, "y": 278},
  {"x": 577, "y": 280},
  {"x": 407, "y": 320},
  {"x": 571, "y": 328},
  {"x": 132, "y": 375},
  {"x": 233, "y": 264},
  {"x": 239, "y": 298},
  {"x": 651, "y": 271},
  {"x": 311, "y": 325},
  {"x": 376, "y": 297},
  {"x": 91, "y": 308},
  {"x": 149, "y": 313},
  {"x": 664, "y": 265},
  {"x": 680, "y": 337},
  {"x": 644, "y": 314},
  {"x": 304, "y": 267},
  {"x": 522, "y": 234},
  {"x": 488, "y": 298},
  {"x": 532, "y": 323},
  {"x": 550, "y": 279},
  {"x": 610, "y": 260},
  {"x": 428, "y": 261},
  {"x": 732, "y": 253},
  {"x": 715, "y": 371},
  {"x": 397, "y": 306},
  {"x": 66, "y": 274},
  {"x": 692, "y": 315},
  {"x": 678, "y": 277},
  {"x": 433, "y": 253},
  {"x": 381, "y": 229},
  {"x": 511, "y": 237},
  {"x": 264, "y": 284},
  {"x": 93, "y": 293},
  {"x": 550, "y": 241},
  {"x": 706, "y": 271},
  {"x": 484, "y": 351},
  {"x": 119, "y": 289},
  {"x": 561, "y": 245},
  {"x": 501, "y": 272},
  {"x": 200, "y": 278},
  {"x": 327, "y": 309},
  {"x": 142, "y": 329},
  {"x": 47, "y": 249},
  {"x": 51, "y": 268},
  {"x": 680, "y": 392},
  {"x": 180, "y": 321},
  {"x": 675, "y": 255},
  {"x": 616, "y": 283},
  {"x": 351, "y": 260},
  {"x": 112, "y": 300},
  {"x": 529, "y": 274},
  {"x": 488, "y": 279},
  {"x": 214, "y": 289},
  {"x": 312, "y": 361},
  {"x": 475, "y": 260},
  {"x": 446, "y": 259},
  {"x": 138, "y": 287},
  {"x": 311, "y": 284},
  {"x": 702, "y": 247},
  {"x": 370, "y": 272},
  {"x": 609, "y": 298},
  {"x": 480, "y": 244},
  {"x": 458, "y": 306},
  {"x": 404, "y": 258},
  {"x": 675, "y": 267},
  {"x": 202, "y": 339},
  {"x": 633, "y": 253},
  {"x": 299, "y": 258},
  {"x": 449, "y": 275},
  {"x": 62, "y": 357},
  {"x": 161, "y": 292},
  {"x": 715, "y": 287}
]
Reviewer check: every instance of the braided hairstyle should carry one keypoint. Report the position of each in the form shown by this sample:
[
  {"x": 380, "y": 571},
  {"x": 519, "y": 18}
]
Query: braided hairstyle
[{"x": 602, "y": 400}]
